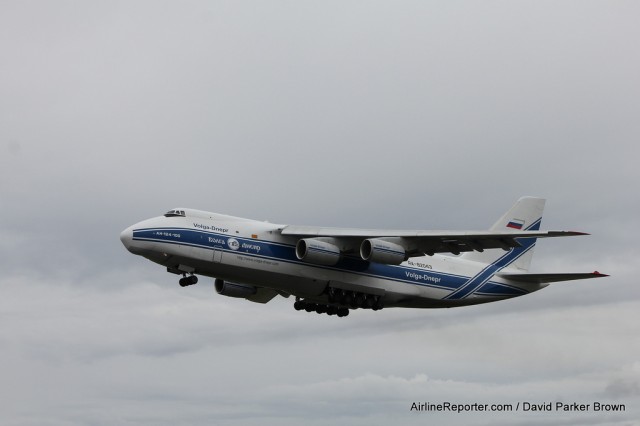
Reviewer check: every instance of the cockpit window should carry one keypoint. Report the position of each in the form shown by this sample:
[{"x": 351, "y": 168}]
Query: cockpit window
[{"x": 171, "y": 213}]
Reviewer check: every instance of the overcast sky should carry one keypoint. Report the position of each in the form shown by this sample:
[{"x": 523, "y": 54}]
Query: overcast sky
[{"x": 388, "y": 114}]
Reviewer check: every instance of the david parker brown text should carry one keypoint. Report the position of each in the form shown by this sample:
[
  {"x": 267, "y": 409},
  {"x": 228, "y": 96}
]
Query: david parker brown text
[{"x": 520, "y": 406}]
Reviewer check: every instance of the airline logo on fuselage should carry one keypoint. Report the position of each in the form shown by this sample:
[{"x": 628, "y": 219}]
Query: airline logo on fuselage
[
  {"x": 422, "y": 277},
  {"x": 233, "y": 244},
  {"x": 215, "y": 240},
  {"x": 210, "y": 228}
]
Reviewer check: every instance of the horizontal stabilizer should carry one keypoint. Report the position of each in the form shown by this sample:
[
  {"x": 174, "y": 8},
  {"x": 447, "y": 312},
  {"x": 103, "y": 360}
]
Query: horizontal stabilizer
[{"x": 549, "y": 278}]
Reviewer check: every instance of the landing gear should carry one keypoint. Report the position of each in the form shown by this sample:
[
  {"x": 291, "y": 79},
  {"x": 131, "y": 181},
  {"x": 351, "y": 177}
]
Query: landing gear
[
  {"x": 188, "y": 280},
  {"x": 343, "y": 312},
  {"x": 354, "y": 299},
  {"x": 340, "y": 302},
  {"x": 319, "y": 308}
]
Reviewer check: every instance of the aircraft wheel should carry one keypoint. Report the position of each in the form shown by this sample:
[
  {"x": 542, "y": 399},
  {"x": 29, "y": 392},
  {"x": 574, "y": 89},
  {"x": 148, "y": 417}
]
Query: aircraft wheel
[
  {"x": 347, "y": 299},
  {"x": 369, "y": 302}
]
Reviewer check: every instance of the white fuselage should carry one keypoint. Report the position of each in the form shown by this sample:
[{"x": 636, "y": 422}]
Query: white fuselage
[{"x": 256, "y": 253}]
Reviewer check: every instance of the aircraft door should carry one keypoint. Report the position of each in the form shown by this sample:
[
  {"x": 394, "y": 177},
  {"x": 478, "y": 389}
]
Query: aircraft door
[{"x": 217, "y": 254}]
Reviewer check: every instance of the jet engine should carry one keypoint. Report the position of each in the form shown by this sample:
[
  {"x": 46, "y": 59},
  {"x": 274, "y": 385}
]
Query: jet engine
[
  {"x": 226, "y": 288},
  {"x": 318, "y": 251},
  {"x": 381, "y": 251}
]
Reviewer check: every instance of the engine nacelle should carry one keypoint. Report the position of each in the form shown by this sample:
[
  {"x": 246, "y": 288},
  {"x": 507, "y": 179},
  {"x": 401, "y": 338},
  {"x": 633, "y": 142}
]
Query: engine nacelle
[
  {"x": 381, "y": 251},
  {"x": 317, "y": 251},
  {"x": 226, "y": 288}
]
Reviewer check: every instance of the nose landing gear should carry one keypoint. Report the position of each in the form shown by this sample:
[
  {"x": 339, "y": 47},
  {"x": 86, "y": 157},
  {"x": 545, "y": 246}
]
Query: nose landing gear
[{"x": 188, "y": 280}]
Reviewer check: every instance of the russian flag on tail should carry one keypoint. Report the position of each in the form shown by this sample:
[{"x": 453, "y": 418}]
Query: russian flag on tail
[{"x": 515, "y": 224}]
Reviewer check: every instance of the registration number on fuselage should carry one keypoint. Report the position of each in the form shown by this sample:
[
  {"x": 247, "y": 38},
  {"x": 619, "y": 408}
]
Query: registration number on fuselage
[{"x": 420, "y": 265}]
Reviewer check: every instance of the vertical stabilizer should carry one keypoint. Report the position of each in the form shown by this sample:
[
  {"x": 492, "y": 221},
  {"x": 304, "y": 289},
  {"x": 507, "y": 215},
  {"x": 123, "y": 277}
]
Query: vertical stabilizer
[{"x": 525, "y": 215}]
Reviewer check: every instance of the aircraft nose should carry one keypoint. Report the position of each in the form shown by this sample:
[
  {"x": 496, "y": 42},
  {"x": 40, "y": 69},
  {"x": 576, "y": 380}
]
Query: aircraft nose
[{"x": 126, "y": 237}]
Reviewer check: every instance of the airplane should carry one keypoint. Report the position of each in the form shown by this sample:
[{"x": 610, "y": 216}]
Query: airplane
[{"x": 336, "y": 270}]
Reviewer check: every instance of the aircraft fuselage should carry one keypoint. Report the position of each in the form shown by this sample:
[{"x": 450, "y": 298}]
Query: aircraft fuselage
[{"x": 255, "y": 253}]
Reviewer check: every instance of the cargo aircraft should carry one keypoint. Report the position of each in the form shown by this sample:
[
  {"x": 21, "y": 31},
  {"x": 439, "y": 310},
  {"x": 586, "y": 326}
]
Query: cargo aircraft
[{"x": 335, "y": 270}]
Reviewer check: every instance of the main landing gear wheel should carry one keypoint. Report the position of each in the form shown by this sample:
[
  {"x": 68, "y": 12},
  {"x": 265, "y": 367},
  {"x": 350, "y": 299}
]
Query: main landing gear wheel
[
  {"x": 354, "y": 299},
  {"x": 187, "y": 281},
  {"x": 319, "y": 308},
  {"x": 343, "y": 312}
]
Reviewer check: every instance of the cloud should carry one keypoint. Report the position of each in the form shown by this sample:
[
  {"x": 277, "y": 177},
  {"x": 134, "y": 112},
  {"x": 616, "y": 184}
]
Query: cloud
[
  {"x": 626, "y": 385},
  {"x": 208, "y": 357}
]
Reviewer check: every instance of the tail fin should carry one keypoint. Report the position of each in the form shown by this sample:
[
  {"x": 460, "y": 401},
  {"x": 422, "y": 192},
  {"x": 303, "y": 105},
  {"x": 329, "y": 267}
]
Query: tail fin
[{"x": 526, "y": 214}]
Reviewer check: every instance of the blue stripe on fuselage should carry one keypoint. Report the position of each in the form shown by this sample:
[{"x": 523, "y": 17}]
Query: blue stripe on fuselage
[{"x": 477, "y": 282}]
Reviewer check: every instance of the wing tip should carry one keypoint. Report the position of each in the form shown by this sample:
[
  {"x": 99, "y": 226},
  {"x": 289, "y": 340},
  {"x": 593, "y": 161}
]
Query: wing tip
[
  {"x": 566, "y": 233},
  {"x": 578, "y": 233}
]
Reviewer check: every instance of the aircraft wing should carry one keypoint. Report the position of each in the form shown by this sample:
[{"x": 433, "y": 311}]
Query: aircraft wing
[
  {"x": 420, "y": 242},
  {"x": 549, "y": 278}
]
